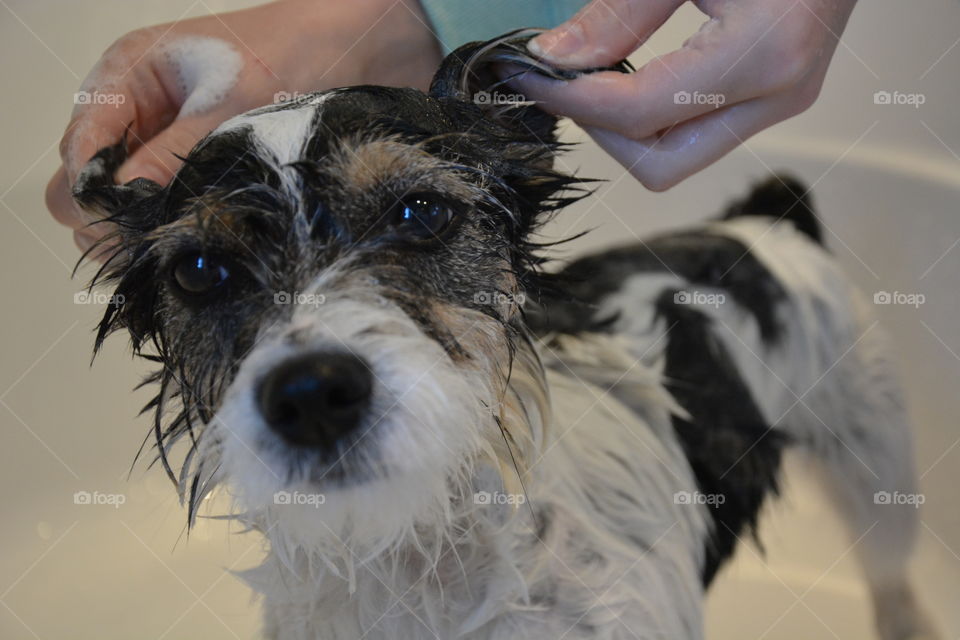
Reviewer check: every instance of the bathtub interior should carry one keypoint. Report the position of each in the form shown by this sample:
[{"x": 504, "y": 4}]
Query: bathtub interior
[{"x": 885, "y": 178}]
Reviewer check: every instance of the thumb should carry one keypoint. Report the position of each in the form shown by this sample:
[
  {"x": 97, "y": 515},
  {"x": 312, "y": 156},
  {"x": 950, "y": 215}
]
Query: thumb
[
  {"x": 603, "y": 32},
  {"x": 156, "y": 159}
]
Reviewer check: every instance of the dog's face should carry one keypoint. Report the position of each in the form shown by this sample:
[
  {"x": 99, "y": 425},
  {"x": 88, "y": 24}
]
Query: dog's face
[{"x": 331, "y": 287}]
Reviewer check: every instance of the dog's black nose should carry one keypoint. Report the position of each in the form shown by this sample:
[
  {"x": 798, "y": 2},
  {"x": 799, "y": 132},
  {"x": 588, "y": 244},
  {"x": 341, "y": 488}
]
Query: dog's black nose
[{"x": 314, "y": 399}]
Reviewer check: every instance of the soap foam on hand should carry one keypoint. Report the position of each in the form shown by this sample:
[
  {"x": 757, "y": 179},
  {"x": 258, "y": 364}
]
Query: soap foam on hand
[{"x": 207, "y": 69}]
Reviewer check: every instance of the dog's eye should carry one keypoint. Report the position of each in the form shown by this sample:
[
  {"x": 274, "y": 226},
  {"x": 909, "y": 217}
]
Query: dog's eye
[
  {"x": 197, "y": 274},
  {"x": 423, "y": 216}
]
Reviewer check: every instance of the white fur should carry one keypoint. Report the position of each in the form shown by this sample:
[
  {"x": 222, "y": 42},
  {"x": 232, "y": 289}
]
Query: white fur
[{"x": 279, "y": 134}]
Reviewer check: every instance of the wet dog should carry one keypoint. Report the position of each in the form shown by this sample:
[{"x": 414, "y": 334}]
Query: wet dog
[{"x": 441, "y": 438}]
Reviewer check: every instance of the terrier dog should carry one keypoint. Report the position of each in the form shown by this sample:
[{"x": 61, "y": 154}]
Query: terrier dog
[{"x": 441, "y": 438}]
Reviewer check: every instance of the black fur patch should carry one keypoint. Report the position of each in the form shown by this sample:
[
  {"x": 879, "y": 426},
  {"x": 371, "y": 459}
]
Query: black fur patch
[
  {"x": 569, "y": 299},
  {"x": 733, "y": 452}
]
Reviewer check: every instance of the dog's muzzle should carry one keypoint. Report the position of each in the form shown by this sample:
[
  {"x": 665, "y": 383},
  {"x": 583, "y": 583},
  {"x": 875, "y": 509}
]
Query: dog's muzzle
[{"x": 315, "y": 399}]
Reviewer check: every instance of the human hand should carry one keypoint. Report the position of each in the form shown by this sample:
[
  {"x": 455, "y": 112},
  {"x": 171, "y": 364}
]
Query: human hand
[
  {"x": 752, "y": 65},
  {"x": 172, "y": 84}
]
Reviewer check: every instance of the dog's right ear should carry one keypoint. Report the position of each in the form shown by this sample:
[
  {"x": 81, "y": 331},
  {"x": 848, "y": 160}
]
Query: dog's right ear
[
  {"x": 469, "y": 75},
  {"x": 516, "y": 138}
]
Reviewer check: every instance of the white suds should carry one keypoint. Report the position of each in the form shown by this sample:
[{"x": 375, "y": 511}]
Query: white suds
[{"x": 207, "y": 69}]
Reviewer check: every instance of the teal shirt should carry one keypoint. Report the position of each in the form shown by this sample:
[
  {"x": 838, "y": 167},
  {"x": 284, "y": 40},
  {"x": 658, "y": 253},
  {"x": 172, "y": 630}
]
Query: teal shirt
[{"x": 456, "y": 22}]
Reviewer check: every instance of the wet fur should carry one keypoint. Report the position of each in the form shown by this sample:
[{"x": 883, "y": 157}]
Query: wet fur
[{"x": 599, "y": 398}]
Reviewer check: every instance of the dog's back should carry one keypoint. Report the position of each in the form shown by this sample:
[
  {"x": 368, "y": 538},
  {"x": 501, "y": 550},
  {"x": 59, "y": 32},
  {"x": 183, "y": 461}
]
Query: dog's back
[{"x": 766, "y": 347}]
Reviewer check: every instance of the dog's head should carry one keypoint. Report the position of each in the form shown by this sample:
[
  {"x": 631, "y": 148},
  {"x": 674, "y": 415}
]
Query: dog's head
[{"x": 332, "y": 288}]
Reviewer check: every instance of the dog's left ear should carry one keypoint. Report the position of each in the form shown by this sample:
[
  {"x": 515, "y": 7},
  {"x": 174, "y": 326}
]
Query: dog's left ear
[
  {"x": 131, "y": 209},
  {"x": 97, "y": 191},
  {"x": 469, "y": 74}
]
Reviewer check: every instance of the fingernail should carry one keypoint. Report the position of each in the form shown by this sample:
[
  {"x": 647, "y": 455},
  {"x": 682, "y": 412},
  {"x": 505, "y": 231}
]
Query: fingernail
[
  {"x": 148, "y": 171},
  {"x": 513, "y": 72},
  {"x": 558, "y": 44}
]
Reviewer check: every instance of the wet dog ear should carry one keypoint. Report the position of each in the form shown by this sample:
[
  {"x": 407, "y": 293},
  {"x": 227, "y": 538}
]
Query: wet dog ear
[
  {"x": 516, "y": 138},
  {"x": 470, "y": 75},
  {"x": 97, "y": 191},
  {"x": 130, "y": 210}
]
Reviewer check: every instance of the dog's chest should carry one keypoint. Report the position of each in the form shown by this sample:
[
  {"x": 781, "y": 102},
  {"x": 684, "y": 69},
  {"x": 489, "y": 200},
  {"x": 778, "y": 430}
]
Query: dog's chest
[{"x": 601, "y": 542}]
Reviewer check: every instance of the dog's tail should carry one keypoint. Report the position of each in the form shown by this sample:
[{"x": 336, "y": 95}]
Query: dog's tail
[{"x": 781, "y": 197}]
